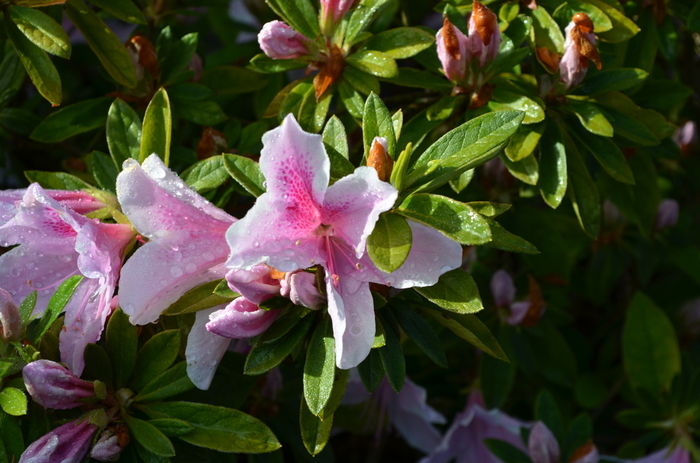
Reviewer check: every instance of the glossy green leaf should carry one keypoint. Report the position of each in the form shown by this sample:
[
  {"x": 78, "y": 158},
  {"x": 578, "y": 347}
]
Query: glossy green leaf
[
  {"x": 217, "y": 428},
  {"x": 264, "y": 64},
  {"x": 107, "y": 46},
  {"x": 122, "y": 342},
  {"x": 524, "y": 141},
  {"x": 319, "y": 368},
  {"x": 376, "y": 122},
  {"x": 340, "y": 383},
  {"x": 122, "y": 9},
  {"x": 98, "y": 366},
  {"x": 371, "y": 371},
  {"x": 352, "y": 99},
  {"x": 13, "y": 401},
  {"x": 401, "y": 42},
  {"x": 27, "y": 307},
  {"x": 654, "y": 122},
  {"x": 361, "y": 17},
  {"x": 155, "y": 357},
  {"x": 526, "y": 170},
  {"x": 246, "y": 172},
  {"x": 622, "y": 29},
  {"x": 583, "y": 191},
  {"x": 12, "y": 75},
  {"x": 510, "y": 100},
  {"x": 198, "y": 298},
  {"x": 591, "y": 117},
  {"x": 206, "y": 174},
  {"x": 565, "y": 11},
  {"x": 374, "y": 62},
  {"x": 553, "y": 174},
  {"x": 335, "y": 137},
  {"x": 72, "y": 120},
  {"x": 157, "y": 128},
  {"x": 390, "y": 242},
  {"x": 607, "y": 153},
  {"x": 455, "y": 291},
  {"x": 506, "y": 241},
  {"x": 650, "y": 352},
  {"x": 391, "y": 354},
  {"x": 410, "y": 77},
  {"x": 460, "y": 183},
  {"x": 361, "y": 81},
  {"x": 55, "y": 180},
  {"x": 123, "y": 132},
  {"x": 150, "y": 437},
  {"x": 444, "y": 107},
  {"x": 314, "y": 432},
  {"x": 471, "y": 329},
  {"x": 168, "y": 384},
  {"x": 266, "y": 356},
  {"x": 171, "y": 426},
  {"x": 547, "y": 32},
  {"x": 104, "y": 170},
  {"x": 453, "y": 218},
  {"x": 422, "y": 334},
  {"x": 611, "y": 80},
  {"x": 489, "y": 209},
  {"x": 233, "y": 80},
  {"x": 56, "y": 305},
  {"x": 37, "y": 63},
  {"x": 300, "y": 14},
  {"x": 42, "y": 30}
]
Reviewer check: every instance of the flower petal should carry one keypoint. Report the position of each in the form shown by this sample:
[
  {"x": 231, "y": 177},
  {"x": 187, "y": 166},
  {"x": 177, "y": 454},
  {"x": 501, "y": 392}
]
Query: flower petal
[
  {"x": 265, "y": 235},
  {"x": 353, "y": 205},
  {"x": 502, "y": 288},
  {"x": 351, "y": 309},
  {"x": 204, "y": 350},
  {"x": 413, "y": 418},
  {"x": 241, "y": 319},
  {"x": 255, "y": 284}
]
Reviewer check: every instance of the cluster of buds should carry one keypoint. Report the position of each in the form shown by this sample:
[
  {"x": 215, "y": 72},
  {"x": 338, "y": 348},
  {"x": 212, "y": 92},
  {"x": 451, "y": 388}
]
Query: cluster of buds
[
  {"x": 579, "y": 50},
  {"x": 53, "y": 386},
  {"x": 457, "y": 51}
]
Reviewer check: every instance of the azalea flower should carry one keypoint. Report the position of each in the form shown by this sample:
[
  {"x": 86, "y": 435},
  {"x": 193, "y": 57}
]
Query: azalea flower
[
  {"x": 406, "y": 411},
  {"x": 301, "y": 222},
  {"x": 464, "y": 440},
  {"x": 69, "y": 443},
  {"x": 56, "y": 242}
]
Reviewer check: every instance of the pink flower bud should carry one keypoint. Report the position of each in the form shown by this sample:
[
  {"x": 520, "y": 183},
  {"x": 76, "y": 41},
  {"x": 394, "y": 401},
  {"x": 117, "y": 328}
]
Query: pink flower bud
[
  {"x": 587, "y": 453},
  {"x": 452, "y": 48},
  {"x": 255, "y": 284},
  {"x": 300, "y": 287},
  {"x": 686, "y": 137},
  {"x": 484, "y": 34},
  {"x": 66, "y": 444},
  {"x": 502, "y": 288},
  {"x": 579, "y": 49},
  {"x": 196, "y": 66},
  {"x": 53, "y": 386},
  {"x": 518, "y": 312},
  {"x": 10, "y": 320},
  {"x": 241, "y": 319},
  {"x": 107, "y": 447},
  {"x": 542, "y": 444},
  {"x": 667, "y": 214},
  {"x": 280, "y": 41},
  {"x": 332, "y": 11}
]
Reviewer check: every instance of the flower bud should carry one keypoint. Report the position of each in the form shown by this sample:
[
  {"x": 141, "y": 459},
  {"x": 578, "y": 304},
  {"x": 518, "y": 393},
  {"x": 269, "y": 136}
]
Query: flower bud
[
  {"x": 301, "y": 288},
  {"x": 107, "y": 447},
  {"x": 53, "y": 386},
  {"x": 542, "y": 445},
  {"x": 241, "y": 319},
  {"x": 196, "y": 65},
  {"x": 280, "y": 41},
  {"x": 255, "y": 284},
  {"x": 211, "y": 144},
  {"x": 453, "y": 51},
  {"x": 10, "y": 320},
  {"x": 332, "y": 11},
  {"x": 502, "y": 288},
  {"x": 379, "y": 159},
  {"x": 587, "y": 453},
  {"x": 484, "y": 34},
  {"x": 66, "y": 444},
  {"x": 144, "y": 55},
  {"x": 686, "y": 137},
  {"x": 667, "y": 214},
  {"x": 579, "y": 48}
]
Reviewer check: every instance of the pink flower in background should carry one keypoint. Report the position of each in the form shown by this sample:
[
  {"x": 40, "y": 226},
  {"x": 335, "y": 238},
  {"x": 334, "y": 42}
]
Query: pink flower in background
[
  {"x": 55, "y": 242},
  {"x": 279, "y": 41},
  {"x": 301, "y": 222},
  {"x": 686, "y": 137},
  {"x": 53, "y": 386},
  {"x": 503, "y": 291},
  {"x": 10, "y": 319},
  {"x": 542, "y": 445},
  {"x": 107, "y": 447},
  {"x": 667, "y": 214},
  {"x": 665, "y": 455}
]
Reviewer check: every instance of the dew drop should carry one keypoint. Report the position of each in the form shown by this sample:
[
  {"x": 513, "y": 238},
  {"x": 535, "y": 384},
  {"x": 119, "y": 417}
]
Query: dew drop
[
  {"x": 445, "y": 268},
  {"x": 14, "y": 272},
  {"x": 289, "y": 252},
  {"x": 191, "y": 267},
  {"x": 436, "y": 258},
  {"x": 177, "y": 255},
  {"x": 355, "y": 330},
  {"x": 207, "y": 256},
  {"x": 158, "y": 172},
  {"x": 175, "y": 271}
]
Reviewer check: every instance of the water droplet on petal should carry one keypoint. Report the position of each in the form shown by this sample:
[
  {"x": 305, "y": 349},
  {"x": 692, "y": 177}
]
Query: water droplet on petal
[
  {"x": 191, "y": 267},
  {"x": 445, "y": 268},
  {"x": 158, "y": 173},
  {"x": 207, "y": 256},
  {"x": 175, "y": 271},
  {"x": 14, "y": 272}
]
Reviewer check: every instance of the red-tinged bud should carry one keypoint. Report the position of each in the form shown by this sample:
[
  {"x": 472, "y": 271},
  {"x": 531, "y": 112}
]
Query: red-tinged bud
[
  {"x": 587, "y": 453},
  {"x": 481, "y": 97},
  {"x": 331, "y": 70},
  {"x": 579, "y": 48},
  {"x": 196, "y": 65},
  {"x": 211, "y": 144},
  {"x": 686, "y": 137},
  {"x": 332, "y": 12},
  {"x": 10, "y": 320},
  {"x": 549, "y": 59},
  {"x": 108, "y": 447},
  {"x": 484, "y": 34},
  {"x": 379, "y": 159},
  {"x": 452, "y": 48},
  {"x": 144, "y": 55},
  {"x": 532, "y": 4}
]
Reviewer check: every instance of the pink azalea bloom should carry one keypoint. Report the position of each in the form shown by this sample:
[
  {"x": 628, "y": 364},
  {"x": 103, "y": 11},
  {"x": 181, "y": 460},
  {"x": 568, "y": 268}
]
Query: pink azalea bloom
[
  {"x": 542, "y": 445},
  {"x": 56, "y": 242},
  {"x": 464, "y": 441},
  {"x": 667, "y": 214},
  {"x": 66, "y": 444},
  {"x": 279, "y": 41},
  {"x": 53, "y": 386},
  {"x": 503, "y": 291},
  {"x": 10, "y": 319},
  {"x": 453, "y": 51},
  {"x": 406, "y": 411},
  {"x": 678, "y": 455},
  {"x": 187, "y": 248},
  {"x": 301, "y": 222}
]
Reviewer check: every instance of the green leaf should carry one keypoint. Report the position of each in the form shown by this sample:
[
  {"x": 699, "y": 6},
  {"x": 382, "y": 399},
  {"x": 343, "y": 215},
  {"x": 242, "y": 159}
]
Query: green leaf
[
  {"x": 371, "y": 371},
  {"x": 524, "y": 142},
  {"x": 107, "y": 46},
  {"x": 510, "y": 100},
  {"x": 154, "y": 358},
  {"x": 198, "y": 298},
  {"x": 444, "y": 108},
  {"x": 351, "y": 98},
  {"x": 374, "y": 62},
  {"x": 27, "y": 307},
  {"x": 72, "y": 120},
  {"x": 263, "y": 357},
  {"x": 504, "y": 450},
  {"x": 489, "y": 209},
  {"x": 206, "y": 174},
  {"x": 553, "y": 177},
  {"x": 122, "y": 342},
  {"x": 563, "y": 14},
  {"x": 526, "y": 170},
  {"x": 401, "y": 42},
  {"x": 361, "y": 17},
  {"x": 233, "y": 80},
  {"x": 56, "y": 305},
  {"x": 547, "y": 411},
  {"x": 104, "y": 171},
  {"x": 217, "y": 428},
  {"x": 622, "y": 29},
  {"x": 471, "y": 329},
  {"x": 361, "y": 81},
  {"x": 123, "y": 132},
  {"x": 171, "y": 426},
  {"x": 98, "y": 366},
  {"x": 264, "y": 64},
  {"x": 319, "y": 368},
  {"x": 11, "y": 436},
  {"x": 376, "y": 122},
  {"x": 300, "y": 14},
  {"x": 37, "y": 63},
  {"x": 455, "y": 291},
  {"x": 340, "y": 383},
  {"x": 200, "y": 112},
  {"x": 506, "y": 241},
  {"x": 650, "y": 352},
  {"x": 150, "y": 437},
  {"x": 391, "y": 354},
  {"x": 497, "y": 379},
  {"x": 612, "y": 80},
  {"x": 335, "y": 137},
  {"x": 314, "y": 432},
  {"x": 122, "y": 9},
  {"x": 453, "y": 218},
  {"x": 157, "y": 128},
  {"x": 13, "y": 401},
  {"x": 410, "y": 77},
  {"x": 547, "y": 32},
  {"x": 463, "y": 148},
  {"x": 55, "y": 180},
  {"x": 172, "y": 382},
  {"x": 422, "y": 334},
  {"x": 583, "y": 191},
  {"x": 246, "y": 172},
  {"x": 622, "y": 104},
  {"x": 590, "y": 116},
  {"x": 390, "y": 242},
  {"x": 178, "y": 56},
  {"x": 460, "y": 183},
  {"x": 607, "y": 153},
  {"x": 42, "y": 30},
  {"x": 12, "y": 76}
]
